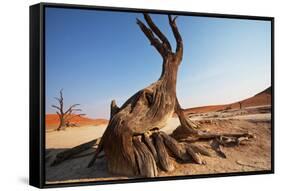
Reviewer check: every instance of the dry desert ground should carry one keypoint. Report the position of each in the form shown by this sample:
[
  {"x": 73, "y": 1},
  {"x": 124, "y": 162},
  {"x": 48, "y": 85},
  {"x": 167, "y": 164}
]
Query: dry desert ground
[{"x": 253, "y": 156}]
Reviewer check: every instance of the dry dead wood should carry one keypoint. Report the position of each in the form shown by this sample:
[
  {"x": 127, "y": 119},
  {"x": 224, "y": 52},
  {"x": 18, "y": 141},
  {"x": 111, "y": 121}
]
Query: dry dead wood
[
  {"x": 177, "y": 149},
  {"x": 66, "y": 115},
  {"x": 145, "y": 160},
  {"x": 164, "y": 159},
  {"x": 69, "y": 153}
]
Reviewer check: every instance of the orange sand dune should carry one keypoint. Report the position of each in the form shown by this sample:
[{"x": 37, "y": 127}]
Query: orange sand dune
[
  {"x": 52, "y": 121},
  {"x": 262, "y": 98}
]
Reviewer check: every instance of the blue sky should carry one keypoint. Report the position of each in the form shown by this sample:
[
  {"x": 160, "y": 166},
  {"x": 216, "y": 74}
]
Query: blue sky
[{"x": 97, "y": 56}]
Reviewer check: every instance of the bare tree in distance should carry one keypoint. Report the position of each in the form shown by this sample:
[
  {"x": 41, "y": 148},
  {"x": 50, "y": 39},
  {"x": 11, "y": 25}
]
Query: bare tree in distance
[
  {"x": 65, "y": 115},
  {"x": 240, "y": 104}
]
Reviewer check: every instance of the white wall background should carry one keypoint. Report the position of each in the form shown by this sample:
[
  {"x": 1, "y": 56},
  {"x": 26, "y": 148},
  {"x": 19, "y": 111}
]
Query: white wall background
[{"x": 14, "y": 51}]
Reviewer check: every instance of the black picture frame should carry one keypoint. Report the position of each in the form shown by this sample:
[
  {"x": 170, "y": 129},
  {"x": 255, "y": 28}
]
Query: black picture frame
[{"x": 37, "y": 93}]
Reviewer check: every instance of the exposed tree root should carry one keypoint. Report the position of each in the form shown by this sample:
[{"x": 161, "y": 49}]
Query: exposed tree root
[
  {"x": 69, "y": 153},
  {"x": 153, "y": 151},
  {"x": 145, "y": 160},
  {"x": 217, "y": 148},
  {"x": 164, "y": 160}
]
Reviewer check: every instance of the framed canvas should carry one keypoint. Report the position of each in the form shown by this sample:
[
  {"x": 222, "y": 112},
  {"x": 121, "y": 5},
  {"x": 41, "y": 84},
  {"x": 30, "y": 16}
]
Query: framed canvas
[{"x": 126, "y": 95}]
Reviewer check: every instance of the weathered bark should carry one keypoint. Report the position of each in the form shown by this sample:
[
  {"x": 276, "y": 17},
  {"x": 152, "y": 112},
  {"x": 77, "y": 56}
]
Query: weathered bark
[
  {"x": 177, "y": 149},
  {"x": 200, "y": 149},
  {"x": 144, "y": 158},
  {"x": 149, "y": 142},
  {"x": 132, "y": 142},
  {"x": 196, "y": 156},
  {"x": 162, "y": 153},
  {"x": 113, "y": 108}
]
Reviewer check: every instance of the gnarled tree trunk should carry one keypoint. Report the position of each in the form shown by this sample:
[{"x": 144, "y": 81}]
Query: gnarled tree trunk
[
  {"x": 148, "y": 109},
  {"x": 127, "y": 147}
]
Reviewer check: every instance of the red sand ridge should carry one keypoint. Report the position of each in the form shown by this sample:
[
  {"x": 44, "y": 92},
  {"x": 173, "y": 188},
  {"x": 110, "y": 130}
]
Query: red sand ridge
[
  {"x": 52, "y": 121},
  {"x": 262, "y": 98}
]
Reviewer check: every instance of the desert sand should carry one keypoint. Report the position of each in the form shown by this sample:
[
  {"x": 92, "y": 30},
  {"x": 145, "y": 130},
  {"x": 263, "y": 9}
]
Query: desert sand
[
  {"x": 254, "y": 156},
  {"x": 253, "y": 117}
]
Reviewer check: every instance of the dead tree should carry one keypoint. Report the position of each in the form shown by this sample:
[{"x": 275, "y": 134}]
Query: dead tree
[
  {"x": 240, "y": 105},
  {"x": 69, "y": 120},
  {"x": 65, "y": 115},
  {"x": 133, "y": 144}
]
